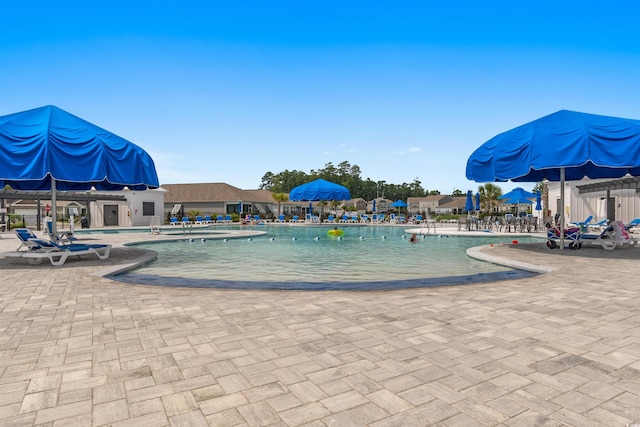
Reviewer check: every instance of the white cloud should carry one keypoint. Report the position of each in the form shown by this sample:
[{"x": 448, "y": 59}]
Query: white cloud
[{"x": 408, "y": 150}]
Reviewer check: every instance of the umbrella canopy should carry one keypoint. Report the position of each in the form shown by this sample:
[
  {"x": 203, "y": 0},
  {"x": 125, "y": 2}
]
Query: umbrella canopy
[
  {"x": 583, "y": 145},
  {"x": 398, "y": 204},
  {"x": 319, "y": 190},
  {"x": 565, "y": 145},
  {"x": 48, "y": 143},
  {"x": 478, "y": 201},
  {"x": 517, "y": 196},
  {"x": 49, "y": 149},
  {"x": 468, "y": 206},
  {"x": 538, "y": 201}
]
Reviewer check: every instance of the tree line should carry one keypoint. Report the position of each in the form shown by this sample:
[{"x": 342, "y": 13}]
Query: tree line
[
  {"x": 350, "y": 176},
  {"x": 346, "y": 175}
]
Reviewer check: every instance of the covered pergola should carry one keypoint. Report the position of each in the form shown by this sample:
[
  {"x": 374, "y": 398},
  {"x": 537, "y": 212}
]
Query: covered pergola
[
  {"x": 607, "y": 187},
  {"x": 627, "y": 183},
  {"x": 74, "y": 196}
]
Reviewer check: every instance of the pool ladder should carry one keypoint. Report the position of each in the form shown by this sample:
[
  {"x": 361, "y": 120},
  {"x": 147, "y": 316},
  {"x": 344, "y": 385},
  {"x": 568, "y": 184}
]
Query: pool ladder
[
  {"x": 427, "y": 225},
  {"x": 186, "y": 227}
]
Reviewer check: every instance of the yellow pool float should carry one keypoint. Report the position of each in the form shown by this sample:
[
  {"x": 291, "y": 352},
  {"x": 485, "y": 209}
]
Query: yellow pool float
[{"x": 335, "y": 232}]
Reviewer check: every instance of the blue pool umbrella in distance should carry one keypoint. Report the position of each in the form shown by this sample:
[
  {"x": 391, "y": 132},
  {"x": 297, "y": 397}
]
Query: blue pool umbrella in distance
[
  {"x": 478, "y": 202},
  {"x": 49, "y": 149},
  {"x": 518, "y": 196},
  {"x": 319, "y": 189},
  {"x": 373, "y": 208},
  {"x": 519, "y": 193},
  {"x": 566, "y": 145},
  {"x": 398, "y": 204},
  {"x": 538, "y": 201},
  {"x": 468, "y": 206}
]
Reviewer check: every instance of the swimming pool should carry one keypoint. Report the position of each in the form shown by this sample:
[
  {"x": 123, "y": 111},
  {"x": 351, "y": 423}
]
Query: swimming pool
[{"x": 308, "y": 258}]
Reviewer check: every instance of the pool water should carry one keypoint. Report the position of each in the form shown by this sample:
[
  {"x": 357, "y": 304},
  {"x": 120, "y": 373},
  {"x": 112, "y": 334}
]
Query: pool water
[{"x": 309, "y": 255}]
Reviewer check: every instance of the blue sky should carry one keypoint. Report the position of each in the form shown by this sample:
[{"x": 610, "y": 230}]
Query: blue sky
[{"x": 227, "y": 91}]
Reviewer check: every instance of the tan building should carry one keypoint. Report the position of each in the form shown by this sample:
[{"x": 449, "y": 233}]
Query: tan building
[
  {"x": 427, "y": 205},
  {"x": 454, "y": 206},
  {"x": 217, "y": 199}
]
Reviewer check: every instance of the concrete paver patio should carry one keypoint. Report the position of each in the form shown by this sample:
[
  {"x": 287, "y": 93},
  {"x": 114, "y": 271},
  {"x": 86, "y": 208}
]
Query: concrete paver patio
[{"x": 558, "y": 349}]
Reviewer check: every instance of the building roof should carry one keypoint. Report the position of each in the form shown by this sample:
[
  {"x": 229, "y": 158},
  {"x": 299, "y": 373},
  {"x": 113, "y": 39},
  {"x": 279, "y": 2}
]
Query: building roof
[
  {"x": 457, "y": 202},
  {"x": 213, "y": 192}
]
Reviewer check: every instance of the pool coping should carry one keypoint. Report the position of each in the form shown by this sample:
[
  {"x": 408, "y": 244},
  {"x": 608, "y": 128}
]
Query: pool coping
[{"x": 482, "y": 253}]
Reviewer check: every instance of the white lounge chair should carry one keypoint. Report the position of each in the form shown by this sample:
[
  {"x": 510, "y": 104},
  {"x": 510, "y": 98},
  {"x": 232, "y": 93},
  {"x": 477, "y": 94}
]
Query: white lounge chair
[
  {"x": 599, "y": 226},
  {"x": 633, "y": 226},
  {"x": 57, "y": 254},
  {"x": 155, "y": 226},
  {"x": 614, "y": 236},
  {"x": 583, "y": 225},
  {"x": 311, "y": 219},
  {"x": 59, "y": 236}
]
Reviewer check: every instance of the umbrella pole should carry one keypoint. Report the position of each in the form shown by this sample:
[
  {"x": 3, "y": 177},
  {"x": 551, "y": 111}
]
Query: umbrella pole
[
  {"x": 53, "y": 206},
  {"x": 562, "y": 207}
]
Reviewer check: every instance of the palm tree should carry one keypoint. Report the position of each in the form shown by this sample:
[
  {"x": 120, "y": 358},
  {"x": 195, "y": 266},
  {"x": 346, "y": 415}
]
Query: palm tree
[
  {"x": 322, "y": 204},
  {"x": 280, "y": 197},
  {"x": 489, "y": 194},
  {"x": 335, "y": 204}
]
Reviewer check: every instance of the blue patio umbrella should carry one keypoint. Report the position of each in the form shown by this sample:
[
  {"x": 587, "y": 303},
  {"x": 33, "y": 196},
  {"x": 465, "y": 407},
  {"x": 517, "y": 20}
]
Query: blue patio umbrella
[
  {"x": 398, "y": 204},
  {"x": 319, "y": 190},
  {"x": 519, "y": 193},
  {"x": 373, "y": 208},
  {"x": 468, "y": 206},
  {"x": 478, "y": 202},
  {"x": 240, "y": 208},
  {"x": 514, "y": 201},
  {"x": 538, "y": 201},
  {"x": 517, "y": 196},
  {"x": 565, "y": 145},
  {"x": 50, "y": 149}
]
